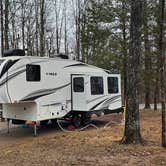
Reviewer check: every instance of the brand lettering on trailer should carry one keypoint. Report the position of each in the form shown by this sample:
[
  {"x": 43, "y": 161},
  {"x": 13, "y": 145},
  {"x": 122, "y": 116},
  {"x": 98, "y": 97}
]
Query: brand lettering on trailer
[{"x": 51, "y": 74}]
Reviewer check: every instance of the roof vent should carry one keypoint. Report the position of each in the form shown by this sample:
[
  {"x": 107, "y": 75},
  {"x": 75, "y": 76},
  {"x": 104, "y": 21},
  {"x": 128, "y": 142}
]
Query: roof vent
[
  {"x": 14, "y": 52},
  {"x": 63, "y": 56}
]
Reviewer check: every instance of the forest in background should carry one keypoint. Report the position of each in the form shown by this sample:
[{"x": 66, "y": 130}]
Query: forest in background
[{"x": 95, "y": 32}]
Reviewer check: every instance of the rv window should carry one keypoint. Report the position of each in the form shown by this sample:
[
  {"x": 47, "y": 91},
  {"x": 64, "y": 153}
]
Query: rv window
[
  {"x": 78, "y": 84},
  {"x": 97, "y": 85},
  {"x": 33, "y": 73},
  {"x": 112, "y": 85}
]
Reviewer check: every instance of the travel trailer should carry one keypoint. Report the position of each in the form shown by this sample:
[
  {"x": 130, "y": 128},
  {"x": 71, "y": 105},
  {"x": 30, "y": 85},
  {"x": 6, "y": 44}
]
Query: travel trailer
[{"x": 40, "y": 89}]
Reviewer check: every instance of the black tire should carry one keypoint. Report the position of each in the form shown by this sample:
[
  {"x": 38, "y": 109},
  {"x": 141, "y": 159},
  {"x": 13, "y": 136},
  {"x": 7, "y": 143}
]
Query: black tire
[
  {"x": 44, "y": 122},
  {"x": 77, "y": 120},
  {"x": 86, "y": 119},
  {"x": 54, "y": 122}
]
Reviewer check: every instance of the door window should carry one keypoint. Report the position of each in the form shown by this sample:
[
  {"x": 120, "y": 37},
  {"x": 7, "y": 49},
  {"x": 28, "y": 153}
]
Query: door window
[{"x": 78, "y": 84}]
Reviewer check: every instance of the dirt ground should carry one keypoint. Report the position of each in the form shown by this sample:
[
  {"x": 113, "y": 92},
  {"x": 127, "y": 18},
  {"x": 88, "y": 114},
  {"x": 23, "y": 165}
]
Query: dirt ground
[{"x": 89, "y": 147}]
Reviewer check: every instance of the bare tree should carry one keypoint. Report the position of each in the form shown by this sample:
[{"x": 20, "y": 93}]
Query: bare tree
[
  {"x": 42, "y": 27},
  {"x": 59, "y": 20},
  {"x": 37, "y": 27},
  {"x": 23, "y": 15},
  {"x": 6, "y": 30},
  {"x": 77, "y": 17},
  {"x": 65, "y": 28}
]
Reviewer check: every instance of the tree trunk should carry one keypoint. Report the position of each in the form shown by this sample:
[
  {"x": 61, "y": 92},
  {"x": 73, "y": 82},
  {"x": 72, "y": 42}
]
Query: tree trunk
[
  {"x": 23, "y": 24},
  {"x": 132, "y": 124},
  {"x": 2, "y": 29},
  {"x": 6, "y": 30},
  {"x": 57, "y": 27},
  {"x": 65, "y": 29},
  {"x": 147, "y": 54},
  {"x": 42, "y": 29},
  {"x": 78, "y": 29},
  {"x": 36, "y": 27},
  {"x": 162, "y": 64}
]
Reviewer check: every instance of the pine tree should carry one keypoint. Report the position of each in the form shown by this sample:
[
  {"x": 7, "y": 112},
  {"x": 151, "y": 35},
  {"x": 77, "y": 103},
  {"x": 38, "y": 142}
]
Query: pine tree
[{"x": 132, "y": 124}]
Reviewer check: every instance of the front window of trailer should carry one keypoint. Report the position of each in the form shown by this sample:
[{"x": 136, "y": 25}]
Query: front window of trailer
[{"x": 33, "y": 73}]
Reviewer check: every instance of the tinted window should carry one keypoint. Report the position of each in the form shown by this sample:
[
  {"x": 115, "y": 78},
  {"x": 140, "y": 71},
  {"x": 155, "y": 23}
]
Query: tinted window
[
  {"x": 113, "y": 85},
  {"x": 78, "y": 84},
  {"x": 33, "y": 72},
  {"x": 97, "y": 85}
]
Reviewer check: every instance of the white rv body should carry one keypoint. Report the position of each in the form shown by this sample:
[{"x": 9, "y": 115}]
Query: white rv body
[{"x": 62, "y": 87}]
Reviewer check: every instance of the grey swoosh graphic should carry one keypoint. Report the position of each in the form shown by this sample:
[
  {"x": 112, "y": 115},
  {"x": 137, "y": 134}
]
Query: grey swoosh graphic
[
  {"x": 106, "y": 101},
  {"x": 106, "y": 106},
  {"x": 89, "y": 101},
  {"x": 11, "y": 76},
  {"x": 112, "y": 99},
  {"x": 43, "y": 92}
]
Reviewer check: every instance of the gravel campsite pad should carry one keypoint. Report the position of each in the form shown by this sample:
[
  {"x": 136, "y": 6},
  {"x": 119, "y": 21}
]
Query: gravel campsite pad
[{"x": 91, "y": 146}]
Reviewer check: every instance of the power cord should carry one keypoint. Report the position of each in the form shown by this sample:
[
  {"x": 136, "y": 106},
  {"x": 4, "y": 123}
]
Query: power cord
[{"x": 81, "y": 129}]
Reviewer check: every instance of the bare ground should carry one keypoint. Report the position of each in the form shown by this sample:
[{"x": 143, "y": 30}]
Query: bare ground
[{"x": 54, "y": 147}]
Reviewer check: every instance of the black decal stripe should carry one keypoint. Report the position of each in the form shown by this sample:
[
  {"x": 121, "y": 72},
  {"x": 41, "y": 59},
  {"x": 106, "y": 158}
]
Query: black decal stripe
[
  {"x": 98, "y": 104},
  {"x": 53, "y": 104},
  {"x": 113, "y": 98},
  {"x": 109, "y": 100},
  {"x": 7, "y": 66},
  {"x": 78, "y": 64},
  {"x": 106, "y": 106},
  {"x": 35, "y": 97}
]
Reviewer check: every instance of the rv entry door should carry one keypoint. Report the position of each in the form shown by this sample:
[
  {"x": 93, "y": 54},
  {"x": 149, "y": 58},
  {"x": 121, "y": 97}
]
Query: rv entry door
[{"x": 78, "y": 90}]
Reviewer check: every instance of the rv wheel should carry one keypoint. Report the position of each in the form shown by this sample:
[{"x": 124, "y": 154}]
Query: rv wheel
[
  {"x": 76, "y": 120},
  {"x": 86, "y": 119}
]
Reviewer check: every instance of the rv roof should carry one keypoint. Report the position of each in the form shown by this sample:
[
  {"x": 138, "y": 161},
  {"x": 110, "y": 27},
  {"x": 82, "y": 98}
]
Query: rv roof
[
  {"x": 11, "y": 57},
  {"x": 80, "y": 68}
]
